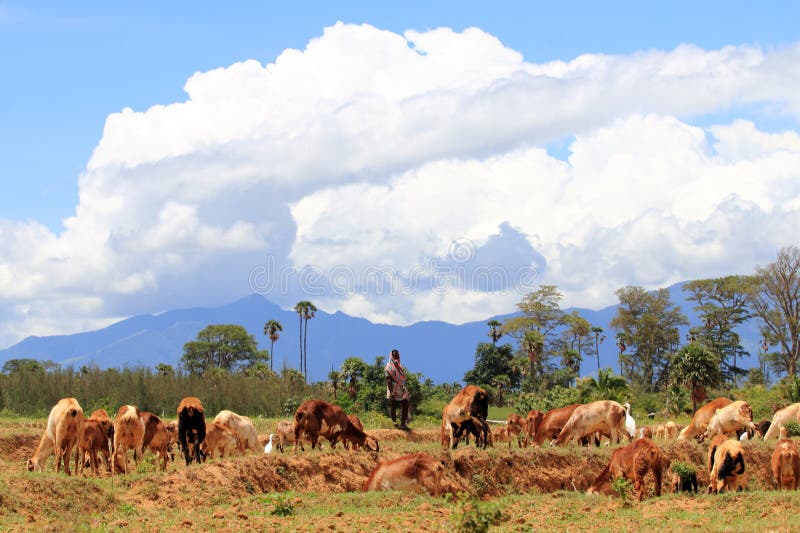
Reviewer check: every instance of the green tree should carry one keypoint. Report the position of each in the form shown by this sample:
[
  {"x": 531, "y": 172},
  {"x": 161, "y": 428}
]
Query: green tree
[
  {"x": 649, "y": 321},
  {"x": 273, "y": 330},
  {"x": 164, "y": 369},
  {"x": 723, "y": 305},
  {"x": 607, "y": 386},
  {"x": 490, "y": 362},
  {"x": 306, "y": 311},
  {"x": 495, "y": 330},
  {"x": 335, "y": 378},
  {"x": 598, "y": 338},
  {"x": 23, "y": 365},
  {"x": 775, "y": 298},
  {"x": 353, "y": 369},
  {"x": 222, "y": 346},
  {"x": 576, "y": 336},
  {"x": 698, "y": 368}
]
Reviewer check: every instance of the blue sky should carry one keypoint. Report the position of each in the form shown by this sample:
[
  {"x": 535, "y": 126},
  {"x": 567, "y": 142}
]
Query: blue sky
[{"x": 68, "y": 67}]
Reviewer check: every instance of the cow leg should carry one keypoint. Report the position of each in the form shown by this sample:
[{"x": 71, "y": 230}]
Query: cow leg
[{"x": 455, "y": 436}]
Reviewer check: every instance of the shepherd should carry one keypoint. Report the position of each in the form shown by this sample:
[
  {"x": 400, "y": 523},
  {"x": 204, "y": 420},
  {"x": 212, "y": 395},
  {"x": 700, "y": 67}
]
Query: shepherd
[{"x": 396, "y": 391}]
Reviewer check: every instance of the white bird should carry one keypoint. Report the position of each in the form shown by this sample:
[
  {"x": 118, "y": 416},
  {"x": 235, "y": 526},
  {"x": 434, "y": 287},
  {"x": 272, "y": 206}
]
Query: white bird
[
  {"x": 744, "y": 436},
  {"x": 268, "y": 447},
  {"x": 630, "y": 423}
]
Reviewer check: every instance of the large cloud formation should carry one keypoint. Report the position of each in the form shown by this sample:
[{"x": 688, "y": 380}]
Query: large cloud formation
[{"x": 407, "y": 177}]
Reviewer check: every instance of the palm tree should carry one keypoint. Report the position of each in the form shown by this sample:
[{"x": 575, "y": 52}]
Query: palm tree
[
  {"x": 310, "y": 310},
  {"x": 607, "y": 386},
  {"x": 336, "y": 377},
  {"x": 598, "y": 338},
  {"x": 272, "y": 329},
  {"x": 494, "y": 330},
  {"x": 533, "y": 344},
  {"x": 698, "y": 367}
]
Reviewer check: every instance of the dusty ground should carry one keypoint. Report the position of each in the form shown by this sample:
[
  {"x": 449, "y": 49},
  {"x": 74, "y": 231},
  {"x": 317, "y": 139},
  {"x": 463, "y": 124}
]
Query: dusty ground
[{"x": 321, "y": 488}]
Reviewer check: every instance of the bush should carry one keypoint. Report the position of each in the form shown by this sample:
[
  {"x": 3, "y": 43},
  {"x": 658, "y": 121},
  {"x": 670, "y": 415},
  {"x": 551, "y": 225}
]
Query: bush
[
  {"x": 792, "y": 429},
  {"x": 623, "y": 488},
  {"x": 683, "y": 470},
  {"x": 477, "y": 518}
]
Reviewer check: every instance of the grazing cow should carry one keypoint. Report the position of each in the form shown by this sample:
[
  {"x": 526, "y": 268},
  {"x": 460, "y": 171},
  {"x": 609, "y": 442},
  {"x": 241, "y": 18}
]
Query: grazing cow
[
  {"x": 243, "y": 428},
  {"x": 316, "y": 418},
  {"x": 684, "y": 484},
  {"x": 790, "y": 413},
  {"x": 532, "y": 422},
  {"x": 604, "y": 416},
  {"x": 467, "y": 411},
  {"x": 172, "y": 438},
  {"x": 553, "y": 422},
  {"x": 632, "y": 462},
  {"x": 786, "y": 464},
  {"x": 191, "y": 428},
  {"x": 102, "y": 445},
  {"x": 220, "y": 441},
  {"x": 500, "y": 434},
  {"x": 101, "y": 415},
  {"x": 697, "y": 427},
  {"x": 416, "y": 471},
  {"x": 64, "y": 428},
  {"x": 357, "y": 423},
  {"x": 128, "y": 435},
  {"x": 516, "y": 426},
  {"x": 284, "y": 433},
  {"x": 94, "y": 439},
  {"x": 730, "y": 419},
  {"x": 156, "y": 437},
  {"x": 671, "y": 430},
  {"x": 727, "y": 465}
]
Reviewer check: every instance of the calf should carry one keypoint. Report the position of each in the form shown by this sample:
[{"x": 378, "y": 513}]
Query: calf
[
  {"x": 93, "y": 440},
  {"x": 516, "y": 426},
  {"x": 156, "y": 437},
  {"x": 63, "y": 431},
  {"x": 632, "y": 462},
  {"x": 727, "y": 466},
  {"x": 416, "y": 471},
  {"x": 128, "y": 435},
  {"x": 697, "y": 427},
  {"x": 316, "y": 418},
  {"x": 532, "y": 422},
  {"x": 467, "y": 411},
  {"x": 786, "y": 464},
  {"x": 604, "y": 416},
  {"x": 172, "y": 438},
  {"x": 243, "y": 428},
  {"x": 671, "y": 430},
  {"x": 219, "y": 441},
  {"x": 191, "y": 428},
  {"x": 284, "y": 434}
]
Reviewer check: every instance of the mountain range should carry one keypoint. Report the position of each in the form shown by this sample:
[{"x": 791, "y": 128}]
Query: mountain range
[{"x": 441, "y": 351}]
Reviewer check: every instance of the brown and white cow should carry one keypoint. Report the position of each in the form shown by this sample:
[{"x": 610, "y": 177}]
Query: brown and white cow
[
  {"x": 128, "y": 435},
  {"x": 790, "y": 413},
  {"x": 416, "y": 471},
  {"x": 243, "y": 428},
  {"x": 786, "y": 464},
  {"x": 632, "y": 462},
  {"x": 553, "y": 422},
  {"x": 730, "y": 419},
  {"x": 191, "y": 428},
  {"x": 697, "y": 427},
  {"x": 63, "y": 431},
  {"x": 220, "y": 441},
  {"x": 727, "y": 467},
  {"x": 467, "y": 411},
  {"x": 316, "y": 419},
  {"x": 603, "y": 416}
]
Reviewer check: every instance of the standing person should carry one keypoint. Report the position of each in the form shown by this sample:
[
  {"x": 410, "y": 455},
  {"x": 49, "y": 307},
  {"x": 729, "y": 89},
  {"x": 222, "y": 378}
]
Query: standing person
[{"x": 396, "y": 391}]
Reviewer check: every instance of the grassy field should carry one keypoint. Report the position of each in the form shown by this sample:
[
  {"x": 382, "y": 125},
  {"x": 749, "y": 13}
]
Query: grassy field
[{"x": 504, "y": 489}]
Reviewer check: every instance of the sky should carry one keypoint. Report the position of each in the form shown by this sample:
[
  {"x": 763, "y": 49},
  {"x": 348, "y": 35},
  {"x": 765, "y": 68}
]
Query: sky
[{"x": 397, "y": 162}]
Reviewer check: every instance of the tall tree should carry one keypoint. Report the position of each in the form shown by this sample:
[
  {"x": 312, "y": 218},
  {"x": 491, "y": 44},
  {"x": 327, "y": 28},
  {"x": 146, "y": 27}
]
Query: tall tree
[
  {"x": 221, "y": 346},
  {"x": 698, "y": 368},
  {"x": 298, "y": 308},
  {"x": 576, "y": 337},
  {"x": 490, "y": 362},
  {"x": 306, "y": 311},
  {"x": 273, "y": 330},
  {"x": 775, "y": 299},
  {"x": 598, "y": 338},
  {"x": 723, "y": 305},
  {"x": 495, "y": 331},
  {"x": 335, "y": 378},
  {"x": 649, "y": 321}
]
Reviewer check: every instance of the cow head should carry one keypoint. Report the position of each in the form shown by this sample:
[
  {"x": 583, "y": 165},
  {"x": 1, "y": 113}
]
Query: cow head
[{"x": 368, "y": 444}]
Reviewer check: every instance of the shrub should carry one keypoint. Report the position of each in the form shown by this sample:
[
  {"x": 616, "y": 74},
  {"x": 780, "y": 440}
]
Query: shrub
[
  {"x": 477, "y": 518},
  {"x": 792, "y": 428},
  {"x": 623, "y": 488},
  {"x": 683, "y": 470}
]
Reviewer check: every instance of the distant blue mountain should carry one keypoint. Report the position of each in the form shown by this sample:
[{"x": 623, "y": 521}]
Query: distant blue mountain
[{"x": 441, "y": 351}]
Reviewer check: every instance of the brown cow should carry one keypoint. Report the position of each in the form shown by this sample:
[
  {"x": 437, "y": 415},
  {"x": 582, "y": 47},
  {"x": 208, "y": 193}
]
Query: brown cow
[
  {"x": 730, "y": 419},
  {"x": 671, "y": 430},
  {"x": 516, "y": 426},
  {"x": 727, "y": 466},
  {"x": 532, "y": 422},
  {"x": 416, "y": 471},
  {"x": 553, "y": 422},
  {"x": 316, "y": 418},
  {"x": 93, "y": 440},
  {"x": 697, "y": 427},
  {"x": 357, "y": 423},
  {"x": 284, "y": 434},
  {"x": 191, "y": 428},
  {"x": 243, "y": 428},
  {"x": 603, "y": 416},
  {"x": 220, "y": 441},
  {"x": 64, "y": 428},
  {"x": 632, "y": 462},
  {"x": 786, "y": 464},
  {"x": 156, "y": 437},
  {"x": 172, "y": 438},
  {"x": 467, "y": 411},
  {"x": 128, "y": 435},
  {"x": 790, "y": 413},
  {"x": 100, "y": 416}
]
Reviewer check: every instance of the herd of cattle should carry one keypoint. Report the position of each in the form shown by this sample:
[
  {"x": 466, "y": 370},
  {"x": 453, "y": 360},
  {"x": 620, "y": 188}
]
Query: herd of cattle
[{"x": 724, "y": 423}]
